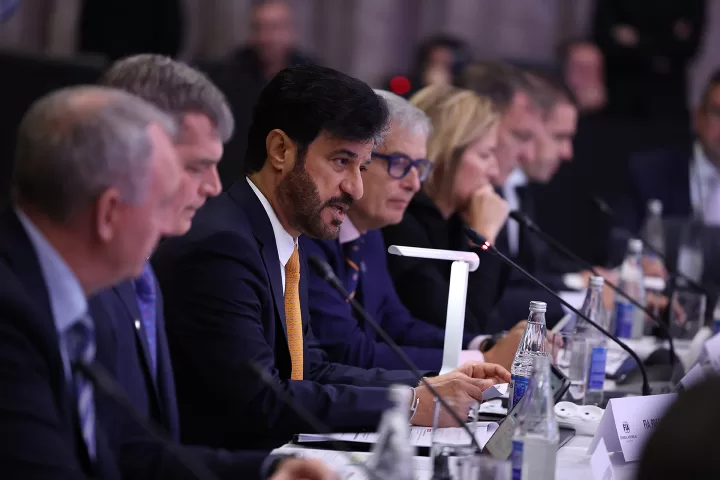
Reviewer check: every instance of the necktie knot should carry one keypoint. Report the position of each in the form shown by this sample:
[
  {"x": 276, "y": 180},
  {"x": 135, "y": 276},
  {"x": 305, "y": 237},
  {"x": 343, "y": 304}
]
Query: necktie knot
[{"x": 353, "y": 252}]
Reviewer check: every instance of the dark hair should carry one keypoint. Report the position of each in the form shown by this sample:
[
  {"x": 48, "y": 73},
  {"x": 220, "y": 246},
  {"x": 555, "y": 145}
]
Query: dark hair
[
  {"x": 460, "y": 50},
  {"x": 712, "y": 83},
  {"x": 306, "y": 100},
  {"x": 173, "y": 87},
  {"x": 497, "y": 81},
  {"x": 548, "y": 90}
]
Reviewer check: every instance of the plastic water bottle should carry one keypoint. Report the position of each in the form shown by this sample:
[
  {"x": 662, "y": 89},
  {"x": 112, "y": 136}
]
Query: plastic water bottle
[
  {"x": 653, "y": 230},
  {"x": 392, "y": 455},
  {"x": 594, "y": 309},
  {"x": 629, "y": 319},
  {"x": 535, "y": 441},
  {"x": 532, "y": 345}
]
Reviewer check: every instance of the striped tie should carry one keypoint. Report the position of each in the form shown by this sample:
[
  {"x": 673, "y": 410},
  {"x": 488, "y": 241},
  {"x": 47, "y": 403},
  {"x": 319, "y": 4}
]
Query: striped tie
[
  {"x": 353, "y": 252},
  {"x": 293, "y": 314},
  {"x": 80, "y": 344}
]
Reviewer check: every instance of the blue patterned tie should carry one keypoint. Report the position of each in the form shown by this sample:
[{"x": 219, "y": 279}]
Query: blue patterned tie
[
  {"x": 80, "y": 345},
  {"x": 353, "y": 252},
  {"x": 146, "y": 298}
]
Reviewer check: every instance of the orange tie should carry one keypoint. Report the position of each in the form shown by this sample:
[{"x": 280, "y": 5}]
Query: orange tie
[{"x": 293, "y": 314}]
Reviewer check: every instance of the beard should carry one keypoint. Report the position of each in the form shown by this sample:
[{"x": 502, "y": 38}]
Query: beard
[{"x": 299, "y": 196}]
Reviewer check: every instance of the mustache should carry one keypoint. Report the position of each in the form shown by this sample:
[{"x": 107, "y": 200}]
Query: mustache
[{"x": 344, "y": 200}]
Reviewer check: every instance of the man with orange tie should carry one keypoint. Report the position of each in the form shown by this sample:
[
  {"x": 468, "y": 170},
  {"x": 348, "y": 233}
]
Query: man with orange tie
[{"x": 236, "y": 286}]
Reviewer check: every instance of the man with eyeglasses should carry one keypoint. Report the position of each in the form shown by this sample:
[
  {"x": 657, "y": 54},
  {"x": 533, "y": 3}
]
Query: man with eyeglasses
[{"x": 358, "y": 257}]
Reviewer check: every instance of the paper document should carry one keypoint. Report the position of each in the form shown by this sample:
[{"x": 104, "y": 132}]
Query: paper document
[
  {"x": 496, "y": 391},
  {"x": 419, "y": 436}
]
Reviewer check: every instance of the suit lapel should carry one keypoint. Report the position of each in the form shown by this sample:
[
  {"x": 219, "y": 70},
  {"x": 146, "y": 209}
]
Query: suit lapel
[
  {"x": 126, "y": 292},
  {"x": 165, "y": 380},
  {"x": 21, "y": 257},
  {"x": 243, "y": 195}
]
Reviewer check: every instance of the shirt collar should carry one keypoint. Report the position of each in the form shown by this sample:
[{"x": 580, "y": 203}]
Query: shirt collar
[
  {"x": 517, "y": 178},
  {"x": 348, "y": 232},
  {"x": 67, "y": 298},
  {"x": 704, "y": 168},
  {"x": 284, "y": 241}
]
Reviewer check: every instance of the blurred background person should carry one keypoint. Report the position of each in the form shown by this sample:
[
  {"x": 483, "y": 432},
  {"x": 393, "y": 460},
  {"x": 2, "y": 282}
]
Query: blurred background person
[
  {"x": 583, "y": 69},
  {"x": 272, "y": 43},
  {"x": 438, "y": 61},
  {"x": 648, "y": 46}
]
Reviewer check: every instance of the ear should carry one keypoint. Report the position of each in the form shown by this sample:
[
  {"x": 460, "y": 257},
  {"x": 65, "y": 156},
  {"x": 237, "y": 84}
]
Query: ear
[
  {"x": 107, "y": 215},
  {"x": 281, "y": 151}
]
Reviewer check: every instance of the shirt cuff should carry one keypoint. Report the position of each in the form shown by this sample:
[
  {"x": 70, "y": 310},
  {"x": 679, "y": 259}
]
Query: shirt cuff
[
  {"x": 471, "y": 356},
  {"x": 574, "y": 281},
  {"x": 475, "y": 342}
]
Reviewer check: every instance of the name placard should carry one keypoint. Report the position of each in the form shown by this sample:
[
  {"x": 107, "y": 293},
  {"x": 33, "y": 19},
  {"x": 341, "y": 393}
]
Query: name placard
[
  {"x": 602, "y": 467},
  {"x": 628, "y": 422}
]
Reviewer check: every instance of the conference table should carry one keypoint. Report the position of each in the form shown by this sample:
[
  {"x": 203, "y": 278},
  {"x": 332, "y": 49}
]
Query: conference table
[{"x": 573, "y": 461}]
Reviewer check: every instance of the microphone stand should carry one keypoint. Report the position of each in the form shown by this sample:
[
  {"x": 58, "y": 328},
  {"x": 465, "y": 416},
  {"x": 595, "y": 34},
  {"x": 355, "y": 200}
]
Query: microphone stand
[
  {"x": 485, "y": 245},
  {"x": 326, "y": 272},
  {"x": 610, "y": 213},
  {"x": 527, "y": 222}
]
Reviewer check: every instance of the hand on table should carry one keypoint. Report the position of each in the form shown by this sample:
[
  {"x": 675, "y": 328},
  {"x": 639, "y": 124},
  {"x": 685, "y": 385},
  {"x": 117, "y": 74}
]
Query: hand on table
[
  {"x": 303, "y": 469},
  {"x": 460, "y": 388},
  {"x": 653, "y": 267}
]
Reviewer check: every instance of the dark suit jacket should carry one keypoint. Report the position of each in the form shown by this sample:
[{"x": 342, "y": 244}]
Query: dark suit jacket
[
  {"x": 347, "y": 339},
  {"x": 39, "y": 431},
  {"x": 423, "y": 284},
  {"x": 225, "y": 308},
  {"x": 154, "y": 397},
  {"x": 661, "y": 174}
]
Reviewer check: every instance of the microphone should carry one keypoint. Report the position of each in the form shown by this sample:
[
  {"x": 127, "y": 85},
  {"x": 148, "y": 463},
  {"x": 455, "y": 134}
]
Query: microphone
[
  {"x": 478, "y": 239},
  {"x": 523, "y": 219},
  {"x": 607, "y": 210},
  {"x": 327, "y": 273},
  {"x": 306, "y": 415},
  {"x": 104, "y": 381}
]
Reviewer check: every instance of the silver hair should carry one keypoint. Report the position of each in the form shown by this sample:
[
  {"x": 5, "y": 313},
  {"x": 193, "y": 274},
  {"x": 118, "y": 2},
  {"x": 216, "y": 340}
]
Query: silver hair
[
  {"x": 404, "y": 114},
  {"x": 173, "y": 87},
  {"x": 75, "y": 143}
]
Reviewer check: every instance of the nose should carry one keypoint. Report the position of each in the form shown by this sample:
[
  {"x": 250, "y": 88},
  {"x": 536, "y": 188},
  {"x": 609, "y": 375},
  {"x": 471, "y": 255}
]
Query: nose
[
  {"x": 411, "y": 181},
  {"x": 352, "y": 184},
  {"x": 211, "y": 186}
]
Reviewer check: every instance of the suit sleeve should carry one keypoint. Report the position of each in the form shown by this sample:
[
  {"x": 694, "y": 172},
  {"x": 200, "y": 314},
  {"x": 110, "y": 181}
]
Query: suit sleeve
[
  {"x": 215, "y": 328},
  {"x": 338, "y": 331},
  {"x": 31, "y": 422},
  {"x": 423, "y": 286}
]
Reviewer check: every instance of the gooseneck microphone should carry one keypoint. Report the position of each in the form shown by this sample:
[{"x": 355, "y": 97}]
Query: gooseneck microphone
[
  {"x": 524, "y": 220},
  {"x": 307, "y": 416},
  {"x": 327, "y": 273},
  {"x": 482, "y": 242},
  {"x": 607, "y": 210},
  {"x": 104, "y": 381}
]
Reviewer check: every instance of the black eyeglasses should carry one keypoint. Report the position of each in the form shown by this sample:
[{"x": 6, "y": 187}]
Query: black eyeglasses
[{"x": 399, "y": 165}]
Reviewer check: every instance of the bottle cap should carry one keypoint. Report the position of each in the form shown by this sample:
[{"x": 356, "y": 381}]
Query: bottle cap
[
  {"x": 597, "y": 281},
  {"x": 635, "y": 245},
  {"x": 538, "y": 307},
  {"x": 655, "y": 207}
]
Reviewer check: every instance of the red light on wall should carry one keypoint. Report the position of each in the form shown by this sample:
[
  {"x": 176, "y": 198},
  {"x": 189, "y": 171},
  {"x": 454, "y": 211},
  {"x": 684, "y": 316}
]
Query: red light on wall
[{"x": 400, "y": 85}]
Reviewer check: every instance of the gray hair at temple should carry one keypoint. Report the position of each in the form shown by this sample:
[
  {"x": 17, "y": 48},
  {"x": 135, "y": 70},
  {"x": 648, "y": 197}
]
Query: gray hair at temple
[
  {"x": 172, "y": 86},
  {"x": 75, "y": 143},
  {"x": 405, "y": 115}
]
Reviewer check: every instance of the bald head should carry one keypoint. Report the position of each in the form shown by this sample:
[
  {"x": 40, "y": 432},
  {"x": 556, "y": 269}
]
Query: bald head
[{"x": 74, "y": 143}]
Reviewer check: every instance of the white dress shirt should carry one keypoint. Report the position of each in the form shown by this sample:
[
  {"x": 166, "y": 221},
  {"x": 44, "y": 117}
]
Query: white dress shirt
[
  {"x": 704, "y": 187},
  {"x": 67, "y": 298},
  {"x": 517, "y": 178},
  {"x": 283, "y": 240}
]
